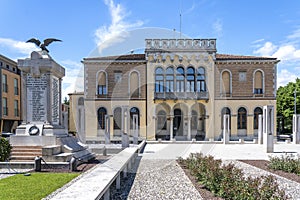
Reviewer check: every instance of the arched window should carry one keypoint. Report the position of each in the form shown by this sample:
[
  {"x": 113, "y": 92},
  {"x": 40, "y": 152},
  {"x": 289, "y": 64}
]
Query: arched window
[
  {"x": 80, "y": 101},
  {"x": 159, "y": 80},
  {"x": 190, "y": 79},
  {"x": 170, "y": 79},
  {"x": 180, "y": 79},
  {"x": 194, "y": 121},
  {"x": 101, "y": 117},
  {"x": 242, "y": 118},
  {"x": 226, "y": 83},
  {"x": 161, "y": 120},
  {"x": 117, "y": 118},
  {"x": 102, "y": 87},
  {"x": 257, "y": 111},
  {"x": 201, "y": 87},
  {"x": 258, "y": 82},
  {"x": 225, "y": 111},
  {"x": 134, "y": 84},
  {"x": 134, "y": 111}
]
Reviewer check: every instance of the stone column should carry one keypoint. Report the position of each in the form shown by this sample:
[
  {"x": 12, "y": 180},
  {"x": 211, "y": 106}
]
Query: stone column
[
  {"x": 171, "y": 127},
  {"x": 135, "y": 129},
  {"x": 268, "y": 128},
  {"x": 260, "y": 129},
  {"x": 189, "y": 136},
  {"x": 296, "y": 129},
  {"x": 125, "y": 138},
  {"x": 226, "y": 129},
  {"x": 107, "y": 129}
]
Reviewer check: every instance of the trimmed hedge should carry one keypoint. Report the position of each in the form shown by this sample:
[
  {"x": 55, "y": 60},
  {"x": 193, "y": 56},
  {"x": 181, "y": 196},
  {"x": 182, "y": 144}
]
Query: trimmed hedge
[
  {"x": 229, "y": 182},
  {"x": 5, "y": 149},
  {"x": 287, "y": 163}
]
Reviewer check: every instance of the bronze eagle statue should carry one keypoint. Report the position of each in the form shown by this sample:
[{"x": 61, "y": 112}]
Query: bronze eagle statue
[{"x": 44, "y": 44}]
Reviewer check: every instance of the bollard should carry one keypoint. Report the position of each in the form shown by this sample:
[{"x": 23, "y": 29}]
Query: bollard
[
  {"x": 37, "y": 164},
  {"x": 104, "y": 151},
  {"x": 73, "y": 164}
]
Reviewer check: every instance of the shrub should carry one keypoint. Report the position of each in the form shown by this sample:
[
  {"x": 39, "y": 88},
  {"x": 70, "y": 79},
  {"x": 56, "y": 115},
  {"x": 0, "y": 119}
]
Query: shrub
[
  {"x": 229, "y": 182},
  {"x": 5, "y": 149},
  {"x": 287, "y": 163}
]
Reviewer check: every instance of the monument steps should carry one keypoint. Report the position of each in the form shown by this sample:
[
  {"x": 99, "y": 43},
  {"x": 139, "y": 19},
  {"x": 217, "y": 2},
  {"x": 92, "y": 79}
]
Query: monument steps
[
  {"x": 25, "y": 153},
  {"x": 22, "y": 158}
]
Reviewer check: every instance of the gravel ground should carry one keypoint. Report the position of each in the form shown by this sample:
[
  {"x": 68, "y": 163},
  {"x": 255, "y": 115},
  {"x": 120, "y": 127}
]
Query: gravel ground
[
  {"x": 263, "y": 164},
  {"x": 6, "y": 172},
  {"x": 162, "y": 179},
  {"x": 291, "y": 188}
]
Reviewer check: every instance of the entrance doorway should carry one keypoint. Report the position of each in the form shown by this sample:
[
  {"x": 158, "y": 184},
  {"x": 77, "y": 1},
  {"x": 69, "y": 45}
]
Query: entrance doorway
[{"x": 178, "y": 123}]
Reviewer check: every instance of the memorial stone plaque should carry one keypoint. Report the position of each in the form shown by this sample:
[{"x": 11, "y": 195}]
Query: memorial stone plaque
[
  {"x": 55, "y": 100},
  {"x": 37, "y": 91}
]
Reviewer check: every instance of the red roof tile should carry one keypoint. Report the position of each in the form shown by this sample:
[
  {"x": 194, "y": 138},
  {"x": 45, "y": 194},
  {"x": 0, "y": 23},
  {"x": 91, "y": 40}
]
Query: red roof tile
[
  {"x": 120, "y": 57},
  {"x": 240, "y": 57}
]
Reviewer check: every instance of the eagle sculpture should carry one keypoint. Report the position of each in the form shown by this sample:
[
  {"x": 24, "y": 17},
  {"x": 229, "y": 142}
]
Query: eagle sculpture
[{"x": 43, "y": 45}]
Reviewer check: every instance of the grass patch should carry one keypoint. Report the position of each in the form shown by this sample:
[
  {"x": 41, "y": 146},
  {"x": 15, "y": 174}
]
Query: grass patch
[{"x": 36, "y": 186}]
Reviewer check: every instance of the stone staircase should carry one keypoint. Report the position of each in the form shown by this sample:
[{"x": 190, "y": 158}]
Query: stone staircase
[{"x": 25, "y": 153}]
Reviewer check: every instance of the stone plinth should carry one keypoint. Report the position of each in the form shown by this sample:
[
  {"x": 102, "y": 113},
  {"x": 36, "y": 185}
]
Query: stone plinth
[
  {"x": 296, "y": 129},
  {"x": 226, "y": 129},
  {"x": 268, "y": 128}
]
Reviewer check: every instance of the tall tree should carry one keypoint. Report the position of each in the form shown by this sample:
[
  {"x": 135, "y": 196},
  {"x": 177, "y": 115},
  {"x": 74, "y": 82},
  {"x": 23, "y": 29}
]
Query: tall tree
[{"x": 285, "y": 105}]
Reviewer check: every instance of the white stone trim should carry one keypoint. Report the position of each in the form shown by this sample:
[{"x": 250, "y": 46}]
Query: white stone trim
[
  {"x": 106, "y": 81},
  {"x": 221, "y": 80},
  {"x": 139, "y": 81},
  {"x": 263, "y": 80}
]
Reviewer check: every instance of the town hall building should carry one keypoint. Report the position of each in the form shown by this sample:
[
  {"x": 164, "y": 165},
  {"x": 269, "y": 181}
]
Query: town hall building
[{"x": 177, "y": 89}]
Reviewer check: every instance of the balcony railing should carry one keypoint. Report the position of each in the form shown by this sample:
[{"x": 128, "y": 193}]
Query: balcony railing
[{"x": 181, "y": 95}]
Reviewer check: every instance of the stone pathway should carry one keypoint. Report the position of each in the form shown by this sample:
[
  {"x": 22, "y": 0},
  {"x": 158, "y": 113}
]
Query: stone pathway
[
  {"x": 6, "y": 172},
  {"x": 162, "y": 179}
]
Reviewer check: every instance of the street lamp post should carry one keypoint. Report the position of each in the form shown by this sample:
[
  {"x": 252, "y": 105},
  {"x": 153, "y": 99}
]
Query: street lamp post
[{"x": 295, "y": 103}]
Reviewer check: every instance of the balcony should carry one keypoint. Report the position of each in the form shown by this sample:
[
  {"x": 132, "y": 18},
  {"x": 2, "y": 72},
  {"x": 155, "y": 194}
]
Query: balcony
[{"x": 181, "y": 95}]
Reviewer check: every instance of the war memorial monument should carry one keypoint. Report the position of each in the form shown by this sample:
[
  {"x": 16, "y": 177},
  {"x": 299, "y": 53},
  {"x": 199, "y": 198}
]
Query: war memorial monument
[{"x": 44, "y": 124}]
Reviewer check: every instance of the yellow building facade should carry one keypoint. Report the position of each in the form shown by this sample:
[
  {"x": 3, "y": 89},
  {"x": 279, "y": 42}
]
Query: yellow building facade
[
  {"x": 10, "y": 95},
  {"x": 178, "y": 89}
]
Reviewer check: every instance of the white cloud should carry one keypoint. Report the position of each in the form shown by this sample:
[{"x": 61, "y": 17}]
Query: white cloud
[
  {"x": 218, "y": 27},
  {"x": 284, "y": 77},
  {"x": 117, "y": 31},
  {"x": 266, "y": 50},
  {"x": 294, "y": 35},
  {"x": 287, "y": 53},
  {"x": 74, "y": 79},
  {"x": 19, "y": 46}
]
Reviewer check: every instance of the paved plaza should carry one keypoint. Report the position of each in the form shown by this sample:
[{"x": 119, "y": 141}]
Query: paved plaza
[{"x": 219, "y": 151}]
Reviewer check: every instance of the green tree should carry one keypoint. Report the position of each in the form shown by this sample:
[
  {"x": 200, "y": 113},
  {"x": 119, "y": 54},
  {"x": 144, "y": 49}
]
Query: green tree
[
  {"x": 5, "y": 149},
  {"x": 285, "y": 105}
]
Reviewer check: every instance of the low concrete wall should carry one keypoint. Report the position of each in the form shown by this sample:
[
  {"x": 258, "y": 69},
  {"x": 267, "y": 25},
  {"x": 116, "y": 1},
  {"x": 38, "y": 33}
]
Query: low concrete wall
[{"x": 95, "y": 184}]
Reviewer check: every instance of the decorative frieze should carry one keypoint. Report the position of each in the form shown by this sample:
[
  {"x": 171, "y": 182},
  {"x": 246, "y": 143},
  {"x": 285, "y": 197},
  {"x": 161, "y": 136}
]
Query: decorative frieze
[{"x": 181, "y": 44}]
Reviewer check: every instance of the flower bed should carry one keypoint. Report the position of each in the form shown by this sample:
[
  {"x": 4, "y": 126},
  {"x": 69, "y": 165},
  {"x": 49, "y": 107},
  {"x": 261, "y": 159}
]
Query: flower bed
[{"x": 229, "y": 182}]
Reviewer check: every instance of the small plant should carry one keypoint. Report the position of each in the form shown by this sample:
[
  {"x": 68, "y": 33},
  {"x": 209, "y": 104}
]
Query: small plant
[
  {"x": 229, "y": 182},
  {"x": 5, "y": 149},
  {"x": 287, "y": 163}
]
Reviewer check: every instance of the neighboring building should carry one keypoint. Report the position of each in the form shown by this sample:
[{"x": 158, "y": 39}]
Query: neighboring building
[
  {"x": 180, "y": 88},
  {"x": 10, "y": 95}
]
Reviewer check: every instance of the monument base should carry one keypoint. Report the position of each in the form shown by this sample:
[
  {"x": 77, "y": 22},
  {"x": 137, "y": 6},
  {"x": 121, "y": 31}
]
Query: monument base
[{"x": 55, "y": 143}]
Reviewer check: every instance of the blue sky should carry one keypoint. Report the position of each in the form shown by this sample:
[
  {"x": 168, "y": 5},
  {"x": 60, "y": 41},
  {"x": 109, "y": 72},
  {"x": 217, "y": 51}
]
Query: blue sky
[{"x": 248, "y": 27}]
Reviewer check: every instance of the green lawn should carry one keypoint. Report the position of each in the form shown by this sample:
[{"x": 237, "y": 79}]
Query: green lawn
[{"x": 36, "y": 186}]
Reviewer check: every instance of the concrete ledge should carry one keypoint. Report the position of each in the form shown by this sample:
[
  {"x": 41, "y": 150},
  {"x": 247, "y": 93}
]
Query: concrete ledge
[
  {"x": 30, "y": 165},
  {"x": 96, "y": 183}
]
